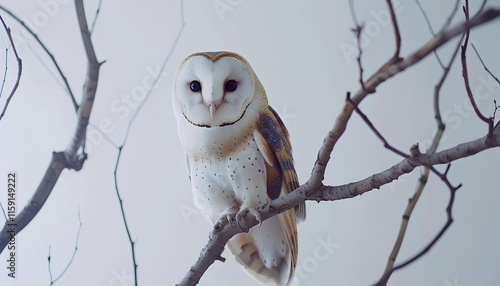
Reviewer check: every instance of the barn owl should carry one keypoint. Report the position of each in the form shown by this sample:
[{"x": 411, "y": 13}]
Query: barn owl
[{"x": 238, "y": 157}]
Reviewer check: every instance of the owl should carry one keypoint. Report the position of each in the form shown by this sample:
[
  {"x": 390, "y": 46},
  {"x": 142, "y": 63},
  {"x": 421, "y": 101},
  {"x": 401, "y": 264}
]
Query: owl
[{"x": 238, "y": 157}]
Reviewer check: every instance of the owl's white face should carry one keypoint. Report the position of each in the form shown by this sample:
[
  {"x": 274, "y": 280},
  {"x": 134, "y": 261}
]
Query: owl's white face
[{"x": 214, "y": 89}]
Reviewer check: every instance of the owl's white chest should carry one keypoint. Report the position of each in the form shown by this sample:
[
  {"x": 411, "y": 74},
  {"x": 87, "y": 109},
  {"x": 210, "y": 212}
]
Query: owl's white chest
[{"x": 227, "y": 176}]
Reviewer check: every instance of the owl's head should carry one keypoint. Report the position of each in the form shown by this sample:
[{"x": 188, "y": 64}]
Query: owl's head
[{"x": 214, "y": 89}]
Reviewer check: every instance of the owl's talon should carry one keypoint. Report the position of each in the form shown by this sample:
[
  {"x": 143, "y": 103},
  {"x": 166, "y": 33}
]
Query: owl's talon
[
  {"x": 241, "y": 214},
  {"x": 257, "y": 215},
  {"x": 231, "y": 218},
  {"x": 221, "y": 222}
]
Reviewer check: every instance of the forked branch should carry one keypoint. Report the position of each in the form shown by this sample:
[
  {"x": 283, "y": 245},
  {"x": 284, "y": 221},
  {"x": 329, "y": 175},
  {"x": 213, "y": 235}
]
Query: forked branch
[
  {"x": 425, "y": 174},
  {"x": 44, "y": 47},
  {"x": 70, "y": 158}
]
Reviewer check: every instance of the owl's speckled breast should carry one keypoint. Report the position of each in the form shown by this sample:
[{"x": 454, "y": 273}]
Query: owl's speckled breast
[{"x": 227, "y": 178}]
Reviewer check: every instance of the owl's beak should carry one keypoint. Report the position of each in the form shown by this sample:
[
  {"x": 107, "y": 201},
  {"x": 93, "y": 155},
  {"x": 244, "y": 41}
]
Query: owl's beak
[{"x": 212, "y": 110}]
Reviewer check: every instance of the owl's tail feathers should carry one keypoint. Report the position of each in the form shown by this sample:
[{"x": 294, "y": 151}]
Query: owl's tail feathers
[{"x": 243, "y": 247}]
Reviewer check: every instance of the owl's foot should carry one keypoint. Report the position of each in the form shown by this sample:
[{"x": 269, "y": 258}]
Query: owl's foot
[
  {"x": 232, "y": 218},
  {"x": 241, "y": 214},
  {"x": 229, "y": 218}
]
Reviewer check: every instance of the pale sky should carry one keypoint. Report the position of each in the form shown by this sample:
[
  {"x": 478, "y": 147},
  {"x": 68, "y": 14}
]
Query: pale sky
[{"x": 305, "y": 56}]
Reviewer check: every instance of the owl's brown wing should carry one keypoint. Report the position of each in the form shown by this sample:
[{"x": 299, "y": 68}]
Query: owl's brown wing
[
  {"x": 272, "y": 139},
  {"x": 274, "y": 144}
]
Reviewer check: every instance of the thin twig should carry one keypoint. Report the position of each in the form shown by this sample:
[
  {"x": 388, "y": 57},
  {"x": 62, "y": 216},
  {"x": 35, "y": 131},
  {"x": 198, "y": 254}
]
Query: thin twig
[
  {"x": 46, "y": 67},
  {"x": 53, "y": 281},
  {"x": 120, "y": 200},
  {"x": 127, "y": 133},
  {"x": 372, "y": 127},
  {"x": 353, "y": 13},
  {"x": 496, "y": 108},
  {"x": 357, "y": 30},
  {"x": 447, "y": 23},
  {"x": 75, "y": 105},
  {"x": 484, "y": 65},
  {"x": 19, "y": 69},
  {"x": 397, "y": 34},
  {"x": 162, "y": 68},
  {"x": 98, "y": 10},
  {"x": 465, "y": 74},
  {"x": 5, "y": 71},
  {"x": 427, "y": 21},
  {"x": 431, "y": 30}
]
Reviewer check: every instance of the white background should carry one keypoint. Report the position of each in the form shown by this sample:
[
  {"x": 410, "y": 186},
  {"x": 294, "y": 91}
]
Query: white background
[{"x": 295, "y": 49}]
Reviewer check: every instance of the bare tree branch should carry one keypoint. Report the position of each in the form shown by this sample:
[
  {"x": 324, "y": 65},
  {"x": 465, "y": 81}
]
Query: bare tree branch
[
  {"x": 357, "y": 32},
  {"x": 408, "y": 165},
  {"x": 75, "y": 105},
  {"x": 219, "y": 236},
  {"x": 425, "y": 175},
  {"x": 395, "y": 25},
  {"x": 90, "y": 86},
  {"x": 69, "y": 158},
  {"x": 391, "y": 68},
  {"x": 484, "y": 65},
  {"x": 19, "y": 68},
  {"x": 313, "y": 189},
  {"x": 465, "y": 75},
  {"x": 383, "y": 280}
]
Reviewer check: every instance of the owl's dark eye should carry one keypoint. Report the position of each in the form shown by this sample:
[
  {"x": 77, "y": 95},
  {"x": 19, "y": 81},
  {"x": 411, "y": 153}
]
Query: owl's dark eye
[
  {"x": 195, "y": 86},
  {"x": 231, "y": 85}
]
